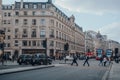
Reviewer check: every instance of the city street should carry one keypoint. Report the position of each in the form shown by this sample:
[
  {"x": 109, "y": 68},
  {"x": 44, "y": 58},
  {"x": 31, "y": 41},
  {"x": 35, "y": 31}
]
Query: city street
[
  {"x": 61, "y": 72},
  {"x": 41, "y": 39}
]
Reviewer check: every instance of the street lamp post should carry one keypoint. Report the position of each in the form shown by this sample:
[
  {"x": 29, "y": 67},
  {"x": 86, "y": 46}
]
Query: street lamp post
[{"x": 85, "y": 41}]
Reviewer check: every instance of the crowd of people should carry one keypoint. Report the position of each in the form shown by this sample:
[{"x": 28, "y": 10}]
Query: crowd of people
[{"x": 5, "y": 58}]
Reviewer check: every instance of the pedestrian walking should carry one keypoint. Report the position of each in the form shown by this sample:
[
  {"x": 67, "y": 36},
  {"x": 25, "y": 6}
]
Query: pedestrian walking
[
  {"x": 105, "y": 60},
  {"x": 2, "y": 60},
  {"x": 101, "y": 61},
  {"x": 109, "y": 61},
  {"x": 13, "y": 58},
  {"x": 86, "y": 60},
  {"x": 74, "y": 61}
]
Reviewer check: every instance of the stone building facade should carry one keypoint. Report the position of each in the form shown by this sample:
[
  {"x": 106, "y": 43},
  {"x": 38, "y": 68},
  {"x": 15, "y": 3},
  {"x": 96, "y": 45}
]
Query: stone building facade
[{"x": 28, "y": 24}]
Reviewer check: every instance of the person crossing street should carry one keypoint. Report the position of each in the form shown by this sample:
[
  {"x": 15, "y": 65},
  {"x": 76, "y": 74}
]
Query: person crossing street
[
  {"x": 74, "y": 60},
  {"x": 86, "y": 60}
]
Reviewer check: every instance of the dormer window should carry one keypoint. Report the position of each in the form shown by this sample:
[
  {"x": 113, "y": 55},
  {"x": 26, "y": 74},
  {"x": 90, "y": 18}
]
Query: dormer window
[
  {"x": 43, "y": 6},
  {"x": 26, "y": 6},
  {"x": 35, "y": 6}
]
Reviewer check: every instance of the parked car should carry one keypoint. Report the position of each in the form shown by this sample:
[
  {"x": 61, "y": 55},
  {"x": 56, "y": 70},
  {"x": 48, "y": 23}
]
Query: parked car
[
  {"x": 40, "y": 59},
  {"x": 82, "y": 57},
  {"x": 68, "y": 58},
  {"x": 24, "y": 59}
]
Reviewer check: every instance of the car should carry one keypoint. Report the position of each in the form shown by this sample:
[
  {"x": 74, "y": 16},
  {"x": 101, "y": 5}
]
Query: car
[
  {"x": 40, "y": 59},
  {"x": 82, "y": 58},
  {"x": 68, "y": 58},
  {"x": 24, "y": 59}
]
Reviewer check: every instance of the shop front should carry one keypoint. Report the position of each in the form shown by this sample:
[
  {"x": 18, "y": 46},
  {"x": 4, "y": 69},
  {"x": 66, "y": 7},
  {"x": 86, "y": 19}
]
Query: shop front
[{"x": 33, "y": 51}]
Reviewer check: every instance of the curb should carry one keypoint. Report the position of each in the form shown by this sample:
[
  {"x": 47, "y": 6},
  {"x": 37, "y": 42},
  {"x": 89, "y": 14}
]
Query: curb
[
  {"x": 64, "y": 63},
  {"x": 15, "y": 70},
  {"x": 106, "y": 75}
]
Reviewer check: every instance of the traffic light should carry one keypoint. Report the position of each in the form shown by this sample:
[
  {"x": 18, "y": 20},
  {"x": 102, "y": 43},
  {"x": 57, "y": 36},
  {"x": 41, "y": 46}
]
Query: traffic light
[
  {"x": 66, "y": 47},
  {"x": 44, "y": 43}
]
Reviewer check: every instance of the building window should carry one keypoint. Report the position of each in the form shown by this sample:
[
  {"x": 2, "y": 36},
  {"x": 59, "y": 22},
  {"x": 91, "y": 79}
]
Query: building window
[
  {"x": 25, "y": 22},
  {"x": 56, "y": 34},
  {"x": 33, "y": 33},
  {"x": 33, "y": 21},
  {"x": 29, "y": 43},
  {"x": 52, "y": 22},
  {"x": 33, "y": 43},
  {"x": 56, "y": 24},
  {"x": 8, "y": 21},
  {"x": 25, "y": 13},
  {"x": 43, "y": 6},
  {"x": 5, "y": 14},
  {"x": 16, "y": 36},
  {"x": 24, "y": 33},
  {"x": 8, "y": 44},
  {"x": 16, "y": 21},
  {"x": 16, "y": 42},
  {"x": 8, "y": 30},
  {"x": 9, "y": 14},
  {"x": 26, "y": 6},
  {"x": 42, "y": 33},
  {"x": 4, "y": 22},
  {"x": 59, "y": 25},
  {"x": 35, "y": 6},
  {"x": 43, "y": 12},
  {"x": 51, "y": 43},
  {"x": 9, "y": 7},
  {"x": 17, "y": 6},
  {"x": 33, "y": 13},
  {"x": 8, "y": 37},
  {"x": 38, "y": 43},
  {"x": 51, "y": 33},
  {"x": 17, "y": 13},
  {"x": 42, "y": 22},
  {"x": 16, "y": 30},
  {"x": 24, "y": 43},
  {"x": 59, "y": 35}
]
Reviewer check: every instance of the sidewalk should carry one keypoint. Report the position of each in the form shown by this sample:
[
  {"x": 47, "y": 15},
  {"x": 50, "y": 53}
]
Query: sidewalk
[
  {"x": 114, "y": 72},
  {"x": 6, "y": 68},
  {"x": 21, "y": 69},
  {"x": 9, "y": 63}
]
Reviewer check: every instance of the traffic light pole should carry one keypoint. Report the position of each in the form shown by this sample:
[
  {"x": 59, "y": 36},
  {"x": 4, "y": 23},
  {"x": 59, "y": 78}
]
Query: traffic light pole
[
  {"x": 46, "y": 51},
  {"x": 66, "y": 48}
]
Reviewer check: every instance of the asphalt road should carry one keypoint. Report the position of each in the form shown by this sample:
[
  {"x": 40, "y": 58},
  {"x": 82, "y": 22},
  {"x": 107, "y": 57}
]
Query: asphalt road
[{"x": 61, "y": 72}]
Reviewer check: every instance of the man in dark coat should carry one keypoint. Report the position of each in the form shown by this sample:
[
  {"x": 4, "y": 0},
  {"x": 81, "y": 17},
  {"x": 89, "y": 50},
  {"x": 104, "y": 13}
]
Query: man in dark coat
[
  {"x": 74, "y": 60},
  {"x": 86, "y": 60}
]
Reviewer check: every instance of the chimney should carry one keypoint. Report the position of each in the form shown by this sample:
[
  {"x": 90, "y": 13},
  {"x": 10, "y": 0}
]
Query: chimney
[{"x": 49, "y": 1}]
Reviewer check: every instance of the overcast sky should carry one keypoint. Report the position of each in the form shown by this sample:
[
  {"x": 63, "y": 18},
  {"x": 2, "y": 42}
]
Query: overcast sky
[{"x": 102, "y": 15}]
